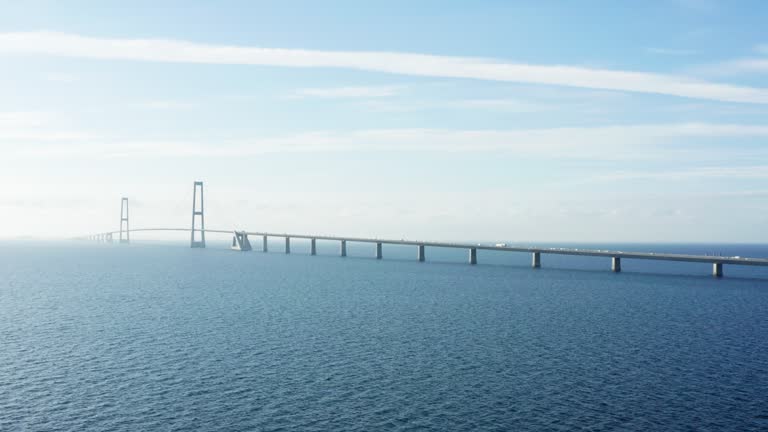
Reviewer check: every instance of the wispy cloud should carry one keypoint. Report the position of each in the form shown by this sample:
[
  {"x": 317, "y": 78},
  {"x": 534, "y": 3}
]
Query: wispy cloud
[
  {"x": 495, "y": 104},
  {"x": 22, "y": 119},
  {"x": 8, "y": 137},
  {"x": 752, "y": 64},
  {"x": 736, "y": 67},
  {"x": 671, "y": 51},
  {"x": 347, "y": 92},
  {"x": 745, "y": 193},
  {"x": 514, "y": 105},
  {"x": 165, "y": 105},
  {"x": 162, "y": 50},
  {"x": 60, "y": 77},
  {"x": 21, "y": 127},
  {"x": 718, "y": 172},
  {"x": 636, "y": 142}
]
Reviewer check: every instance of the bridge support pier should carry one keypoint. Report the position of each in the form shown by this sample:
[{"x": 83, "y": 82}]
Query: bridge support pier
[
  {"x": 343, "y": 251},
  {"x": 717, "y": 270},
  {"x": 378, "y": 251},
  {"x": 420, "y": 255},
  {"x": 473, "y": 256},
  {"x": 616, "y": 264},
  {"x": 240, "y": 242},
  {"x": 287, "y": 245},
  {"x": 536, "y": 260},
  {"x": 313, "y": 247}
]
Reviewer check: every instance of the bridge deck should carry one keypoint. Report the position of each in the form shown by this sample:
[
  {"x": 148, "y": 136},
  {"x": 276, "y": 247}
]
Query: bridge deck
[{"x": 555, "y": 251}]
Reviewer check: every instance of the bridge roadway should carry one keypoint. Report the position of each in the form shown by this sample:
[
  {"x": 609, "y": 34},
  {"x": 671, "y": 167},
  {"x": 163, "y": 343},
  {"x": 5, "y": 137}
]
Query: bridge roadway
[{"x": 616, "y": 256}]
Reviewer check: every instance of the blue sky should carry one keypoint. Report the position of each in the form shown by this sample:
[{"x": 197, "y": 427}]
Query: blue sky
[{"x": 521, "y": 121}]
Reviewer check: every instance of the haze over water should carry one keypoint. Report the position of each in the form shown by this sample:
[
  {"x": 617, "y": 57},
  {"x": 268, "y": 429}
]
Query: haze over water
[{"x": 162, "y": 337}]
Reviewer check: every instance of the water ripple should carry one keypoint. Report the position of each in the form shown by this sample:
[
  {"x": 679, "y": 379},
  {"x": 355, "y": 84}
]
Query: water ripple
[{"x": 173, "y": 339}]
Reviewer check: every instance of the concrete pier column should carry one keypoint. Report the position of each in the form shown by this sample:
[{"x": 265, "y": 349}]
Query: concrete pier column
[
  {"x": 717, "y": 270},
  {"x": 287, "y": 245},
  {"x": 245, "y": 244},
  {"x": 343, "y": 248},
  {"x": 536, "y": 260},
  {"x": 313, "y": 247},
  {"x": 473, "y": 256},
  {"x": 378, "y": 251},
  {"x": 421, "y": 253},
  {"x": 240, "y": 241},
  {"x": 616, "y": 264},
  {"x": 264, "y": 247}
]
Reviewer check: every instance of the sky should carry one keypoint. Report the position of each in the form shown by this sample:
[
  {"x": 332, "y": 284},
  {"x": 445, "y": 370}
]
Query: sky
[{"x": 521, "y": 121}]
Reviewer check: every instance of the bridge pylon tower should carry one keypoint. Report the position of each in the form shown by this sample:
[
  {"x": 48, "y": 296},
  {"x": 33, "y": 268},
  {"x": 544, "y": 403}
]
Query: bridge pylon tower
[
  {"x": 195, "y": 213},
  {"x": 124, "y": 226}
]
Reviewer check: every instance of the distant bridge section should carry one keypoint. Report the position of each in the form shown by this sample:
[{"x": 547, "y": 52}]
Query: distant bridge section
[
  {"x": 471, "y": 248},
  {"x": 240, "y": 242}
]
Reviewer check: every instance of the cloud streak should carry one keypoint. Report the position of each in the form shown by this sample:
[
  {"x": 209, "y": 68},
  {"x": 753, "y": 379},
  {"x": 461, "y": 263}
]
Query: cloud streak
[
  {"x": 671, "y": 51},
  {"x": 351, "y": 92},
  {"x": 719, "y": 172},
  {"x": 751, "y": 65},
  {"x": 166, "y": 105},
  {"x": 497, "y": 104},
  {"x": 164, "y": 50},
  {"x": 636, "y": 142}
]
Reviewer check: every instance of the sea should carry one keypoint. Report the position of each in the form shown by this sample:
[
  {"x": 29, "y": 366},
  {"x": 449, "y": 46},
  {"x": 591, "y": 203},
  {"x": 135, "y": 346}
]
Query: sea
[{"x": 156, "y": 336}]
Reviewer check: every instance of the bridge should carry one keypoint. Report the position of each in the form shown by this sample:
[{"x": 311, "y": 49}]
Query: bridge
[{"x": 241, "y": 242}]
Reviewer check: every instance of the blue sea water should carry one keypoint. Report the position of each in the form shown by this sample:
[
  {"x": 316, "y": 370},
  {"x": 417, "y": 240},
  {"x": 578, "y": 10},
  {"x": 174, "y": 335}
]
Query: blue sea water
[{"x": 161, "y": 337}]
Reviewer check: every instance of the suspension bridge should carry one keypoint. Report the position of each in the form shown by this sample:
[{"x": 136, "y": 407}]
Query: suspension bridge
[{"x": 241, "y": 242}]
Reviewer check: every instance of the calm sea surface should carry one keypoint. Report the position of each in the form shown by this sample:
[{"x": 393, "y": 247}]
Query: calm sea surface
[{"x": 162, "y": 337}]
